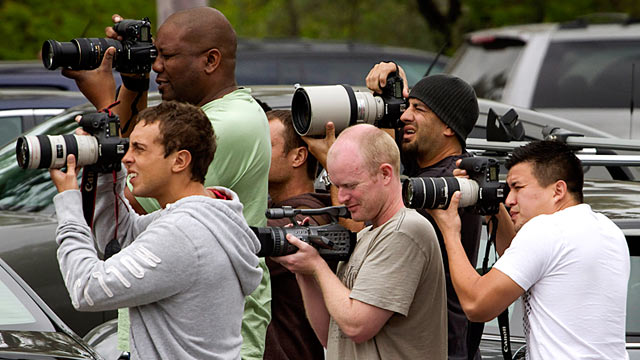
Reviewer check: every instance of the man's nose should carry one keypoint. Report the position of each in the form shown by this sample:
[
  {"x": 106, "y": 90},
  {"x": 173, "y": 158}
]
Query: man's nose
[
  {"x": 158, "y": 64},
  {"x": 127, "y": 158},
  {"x": 406, "y": 116},
  {"x": 342, "y": 195},
  {"x": 510, "y": 200}
]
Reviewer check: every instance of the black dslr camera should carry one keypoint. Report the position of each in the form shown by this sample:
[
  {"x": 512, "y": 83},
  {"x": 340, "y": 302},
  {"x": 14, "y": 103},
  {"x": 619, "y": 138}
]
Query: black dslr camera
[
  {"x": 483, "y": 191},
  {"x": 333, "y": 241},
  {"x": 134, "y": 54},
  {"x": 103, "y": 150}
]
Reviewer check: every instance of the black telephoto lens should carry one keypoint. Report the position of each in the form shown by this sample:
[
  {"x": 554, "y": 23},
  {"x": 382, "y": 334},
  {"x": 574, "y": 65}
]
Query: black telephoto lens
[
  {"x": 429, "y": 192},
  {"x": 92, "y": 51},
  {"x": 78, "y": 54},
  {"x": 56, "y": 54}
]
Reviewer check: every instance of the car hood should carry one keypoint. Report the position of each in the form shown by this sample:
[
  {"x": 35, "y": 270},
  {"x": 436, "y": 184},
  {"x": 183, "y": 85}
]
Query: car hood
[
  {"x": 24, "y": 219},
  {"x": 616, "y": 199},
  {"x": 40, "y": 345}
]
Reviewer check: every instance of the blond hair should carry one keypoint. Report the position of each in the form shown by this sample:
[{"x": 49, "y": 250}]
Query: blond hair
[{"x": 376, "y": 147}]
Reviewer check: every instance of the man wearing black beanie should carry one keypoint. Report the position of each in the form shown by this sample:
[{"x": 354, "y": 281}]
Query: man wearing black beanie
[{"x": 442, "y": 111}]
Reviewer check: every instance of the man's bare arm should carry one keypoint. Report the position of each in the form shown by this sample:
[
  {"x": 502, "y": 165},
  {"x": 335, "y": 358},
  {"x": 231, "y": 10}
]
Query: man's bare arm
[
  {"x": 358, "y": 320},
  {"x": 482, "y": 297}
]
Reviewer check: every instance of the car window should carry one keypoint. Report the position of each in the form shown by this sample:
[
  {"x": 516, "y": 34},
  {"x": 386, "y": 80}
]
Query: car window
[
  {"x": 337, "y": 71},
  {"x": 256, "y": 71},
  {"x": 416, "y": 70},
  {"x": 10, "y": 127},
  {"x": 322, "y": 70},
  {"x": 30, "y": 190},
  {"x": 588, "y": 74},
  {"x": 486, "y": 65},
  {"x": 17, "y": 310}
]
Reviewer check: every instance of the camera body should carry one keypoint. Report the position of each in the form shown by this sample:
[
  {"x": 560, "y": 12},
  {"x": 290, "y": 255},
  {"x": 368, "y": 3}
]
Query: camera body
[
  {"x": 482, "y": 192},
  {"x": 103, "y": 150},
  {"x": 333, "y": 241},
  {"x": 134, "y": 54},
  {"x": 394, "y": 103},
  {"x": 105, "y": 127},
  {"x": 313, "y": 107}
]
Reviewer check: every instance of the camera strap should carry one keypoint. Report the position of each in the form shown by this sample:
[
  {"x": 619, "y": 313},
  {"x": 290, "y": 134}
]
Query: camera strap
[
  {"x": 503, "y": 318},
  {"x": 89, "y": 191}
]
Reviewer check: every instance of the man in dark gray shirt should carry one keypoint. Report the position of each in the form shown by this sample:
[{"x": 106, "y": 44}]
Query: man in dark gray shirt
[{"x": 442, "y": 111}]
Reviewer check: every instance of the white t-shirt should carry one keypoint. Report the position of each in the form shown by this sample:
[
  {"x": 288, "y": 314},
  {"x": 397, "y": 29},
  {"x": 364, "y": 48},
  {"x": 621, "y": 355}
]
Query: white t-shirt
[{"x": 574, "y": 268}]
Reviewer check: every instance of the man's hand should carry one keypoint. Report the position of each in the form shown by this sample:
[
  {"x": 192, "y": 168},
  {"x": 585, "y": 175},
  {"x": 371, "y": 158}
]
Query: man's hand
[
  {"x": 98, "y": 85},
  {"x": 377, "y": 78},
  {"x": 457, "y": 172},
  {"x": 320, "y": 147},
  {"x": 111, "y": 33},
  {"x": 448, "y": 220},
  {"x": 305, "y": 261},
  {"x": 66, "y": 181}
]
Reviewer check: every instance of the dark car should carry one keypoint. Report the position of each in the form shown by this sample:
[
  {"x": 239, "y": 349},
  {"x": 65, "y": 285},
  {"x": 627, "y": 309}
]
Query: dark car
[
  {"x": 32, "y": 75},
  {"x": 22, "y": 109},
  {"x": 268, "y": 62},
  {"x": 290, "y": 61},
  {"x": 29, "y": 329}
]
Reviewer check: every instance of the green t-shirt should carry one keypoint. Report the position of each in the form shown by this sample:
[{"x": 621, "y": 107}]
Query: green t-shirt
[
  {"x": 243, "y": 154},
  {"x": 241, "y": 163}
]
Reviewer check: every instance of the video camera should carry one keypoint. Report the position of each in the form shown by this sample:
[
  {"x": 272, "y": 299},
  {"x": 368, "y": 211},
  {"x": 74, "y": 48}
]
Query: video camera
[
  {"x": 313, "y": 107},
  {"x": 134, "y": 54},
  {"x": 482, "y": 191},
  {"x": 103, "y": 150},
  {"x": 333, "y": 241}
]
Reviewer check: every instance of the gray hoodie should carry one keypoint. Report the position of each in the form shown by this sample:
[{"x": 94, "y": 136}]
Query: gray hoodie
[{"x": 183, "y": 271}]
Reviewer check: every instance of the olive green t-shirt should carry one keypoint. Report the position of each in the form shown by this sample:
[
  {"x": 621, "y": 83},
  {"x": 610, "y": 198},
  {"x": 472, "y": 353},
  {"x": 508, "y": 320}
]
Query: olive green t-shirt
[
  {"x": 398, "y": 267},
  {"x": 243, "y": 154}
]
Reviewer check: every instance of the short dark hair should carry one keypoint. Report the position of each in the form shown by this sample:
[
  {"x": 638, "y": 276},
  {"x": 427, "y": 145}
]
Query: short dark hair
[
  {"x": 292, "y": 139},
  {"x": 184, "y": 127},
  {"x": 552, "y": 161}
]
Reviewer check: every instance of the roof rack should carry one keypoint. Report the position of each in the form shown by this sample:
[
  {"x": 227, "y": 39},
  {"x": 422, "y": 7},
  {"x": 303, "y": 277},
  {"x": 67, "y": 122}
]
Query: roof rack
[
  {"x": 592, "y": 151},
  {"x": 599, "y": 18}
]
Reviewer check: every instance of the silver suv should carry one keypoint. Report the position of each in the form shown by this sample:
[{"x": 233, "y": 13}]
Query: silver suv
[{"x": 576, "y": 70}]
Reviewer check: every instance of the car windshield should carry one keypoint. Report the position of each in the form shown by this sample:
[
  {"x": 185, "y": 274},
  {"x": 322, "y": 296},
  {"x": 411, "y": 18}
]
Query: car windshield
[
  {"x": 17, "y": 310},
  {"x": 589, "y": 74},
  {"x": 486, "y": 64},
  {"x": 31, "y": 190}
]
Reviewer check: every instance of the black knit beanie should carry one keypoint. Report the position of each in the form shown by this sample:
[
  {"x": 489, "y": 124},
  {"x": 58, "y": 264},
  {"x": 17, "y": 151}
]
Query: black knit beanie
[{"x": 451, "y": 99}]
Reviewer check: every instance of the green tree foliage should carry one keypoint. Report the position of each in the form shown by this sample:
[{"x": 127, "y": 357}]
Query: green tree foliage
[
  {"x": 26, "y": 24},
  {"x": 495, "y": 13},
  {"x": 424, "y": 24},
  {"x": 387, "y": 22}
]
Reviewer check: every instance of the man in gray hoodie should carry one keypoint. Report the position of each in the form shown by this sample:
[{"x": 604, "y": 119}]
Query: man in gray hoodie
[{"x": 183, "y": 271}]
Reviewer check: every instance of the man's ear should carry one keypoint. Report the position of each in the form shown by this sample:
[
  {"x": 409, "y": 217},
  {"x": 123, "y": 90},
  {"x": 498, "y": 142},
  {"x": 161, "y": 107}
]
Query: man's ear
[
  {"x": 214, "y": 57},
  {"x": 182, "y": 161},
  {"x": 300, "y": 155},
  {"x": 387, "y": 172},
  {"x": 560, "y": 190},
  {"x": 449, "y": 132}
]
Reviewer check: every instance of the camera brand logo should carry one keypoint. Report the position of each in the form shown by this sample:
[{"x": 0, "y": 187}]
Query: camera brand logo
[{"x": 89, "y": 184}]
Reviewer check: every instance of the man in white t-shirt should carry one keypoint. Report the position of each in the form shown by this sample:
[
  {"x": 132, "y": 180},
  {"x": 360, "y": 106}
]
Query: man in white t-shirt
[{"x": 569, "y": 264}]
